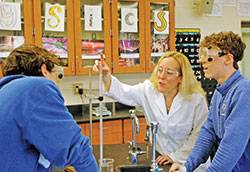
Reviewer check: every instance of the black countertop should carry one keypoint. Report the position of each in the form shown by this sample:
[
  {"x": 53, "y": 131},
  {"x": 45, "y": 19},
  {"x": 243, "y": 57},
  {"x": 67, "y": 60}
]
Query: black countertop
[
  {"x": 119, "y": 152},
  {"x": 120, "y": 114},
  {"x": 81, "y": 112}
]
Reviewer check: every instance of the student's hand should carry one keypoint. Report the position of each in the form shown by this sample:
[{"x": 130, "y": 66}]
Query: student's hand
[
  {"x": 175, "y": 167},
  {"x": 164, "y": 159},
  {"x": 105, "y": 71},
  {"x": 105, "y": 68}
]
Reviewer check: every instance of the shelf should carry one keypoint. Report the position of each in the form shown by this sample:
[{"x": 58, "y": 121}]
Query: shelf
[
  {"x": 82, "y": 19},
  {"x": 64, "y": 56},
  {"x": 91, "y": 57},
  {"x": 130, "y": 55},
  {"x": 157, "y": 54},
  {"x": 4, "y": 54},
  {"x": 119, "y": 19}
]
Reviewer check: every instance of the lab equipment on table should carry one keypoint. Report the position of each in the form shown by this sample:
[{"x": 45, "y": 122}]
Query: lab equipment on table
[
  {"x": 105, "y": 111},
  {"x": 107, "y": 165},
  {"x": 147, "y": 140},
  {"x": 154, "y": 128},
  {"x": 133, "y": 154}
]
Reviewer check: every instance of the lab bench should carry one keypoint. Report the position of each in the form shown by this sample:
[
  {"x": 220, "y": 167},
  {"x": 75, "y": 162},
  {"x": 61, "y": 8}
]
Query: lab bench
[
  {"x": 119, "y": 152},
  {"x": 117, "y": 131}
]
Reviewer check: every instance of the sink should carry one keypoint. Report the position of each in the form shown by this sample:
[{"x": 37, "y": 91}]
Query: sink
[{"x": 133, "y": 168}]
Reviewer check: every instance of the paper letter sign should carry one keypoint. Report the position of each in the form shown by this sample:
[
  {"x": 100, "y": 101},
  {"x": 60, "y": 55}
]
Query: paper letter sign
[
  {"x": 10, "y": 16},
  {"x": 161, "y": 22},
  {"x": 93, "y": 18},
  {"x": 129, "y": 20},
  {"x": 54, "y": 17}
]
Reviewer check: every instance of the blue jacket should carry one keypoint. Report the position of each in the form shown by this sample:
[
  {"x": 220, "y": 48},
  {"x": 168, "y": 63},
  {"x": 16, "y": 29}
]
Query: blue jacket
[
  {"x": 228, "y": 126},
  {"x": 34, "y": 121}
]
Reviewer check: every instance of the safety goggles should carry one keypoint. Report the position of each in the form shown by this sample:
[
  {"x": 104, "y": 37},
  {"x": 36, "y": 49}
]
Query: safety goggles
[
  {"x": 210, "y": 55},
  {"x": 168, "y": 72},
  {"x": 58, "y": 70}
]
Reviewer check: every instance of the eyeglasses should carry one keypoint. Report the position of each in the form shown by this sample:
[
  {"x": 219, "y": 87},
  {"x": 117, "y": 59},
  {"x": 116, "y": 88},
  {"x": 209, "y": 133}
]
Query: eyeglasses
[{"x": 168, "y": 72}]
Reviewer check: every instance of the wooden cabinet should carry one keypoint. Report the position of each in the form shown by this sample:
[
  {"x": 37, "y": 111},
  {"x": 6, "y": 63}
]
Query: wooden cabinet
[
  {"x": 157, "y": 43},
  {"x": 128, "y": 32},
  {"x": 143, "y": 32},
  {"x": 112, "y": 132},
  {"x": 10, "y": 39},
  {"x": 89, "y": 43},
  {"x": 115, "y": 131},
  {"x": 61, "y": 43},
  {"x": 81, "y": 46},
  {"x": 125, "y": 34},
  {"x": 128, "y": 26}
]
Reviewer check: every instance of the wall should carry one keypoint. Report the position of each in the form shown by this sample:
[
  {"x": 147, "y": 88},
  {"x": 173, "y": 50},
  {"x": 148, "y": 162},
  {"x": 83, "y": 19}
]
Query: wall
[
  {"x": 70, "y": 99},
  {"x": 246, "y": 60},
  {"x": 185, "y": 16}
]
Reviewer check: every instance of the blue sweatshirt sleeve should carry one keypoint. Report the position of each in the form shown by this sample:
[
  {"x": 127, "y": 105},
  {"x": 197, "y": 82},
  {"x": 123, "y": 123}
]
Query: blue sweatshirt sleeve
[
  {"x": 236, "y": 136},
  {"x": 234, "y": 141},
  {"x": 203, "y": 145},
  {"x": 52, "y": 130}
]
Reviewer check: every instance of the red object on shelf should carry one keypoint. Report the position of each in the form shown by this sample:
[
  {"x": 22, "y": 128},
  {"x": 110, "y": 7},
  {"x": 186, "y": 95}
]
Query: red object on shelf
[
  {"x": 121, "y": 62},
  {"x": 93, "y": 47}
]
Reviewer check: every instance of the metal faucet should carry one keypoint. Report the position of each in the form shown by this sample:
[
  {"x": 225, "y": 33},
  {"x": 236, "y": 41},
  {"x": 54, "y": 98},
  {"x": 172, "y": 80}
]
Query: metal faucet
[
  {"x": 154, "y": 166},
  {"x": 147, "y": 140},
  {"x": 135, "y": 121},
  {"x": 133, "y": 154}
]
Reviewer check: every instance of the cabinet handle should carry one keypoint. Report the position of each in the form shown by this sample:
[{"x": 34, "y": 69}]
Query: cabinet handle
[
  {"x": 143, "y": 67},
  {"x": 106, "y": 128},
  {"x": 149, "y": 62},
  {"x": 72, "y": 67},
  {"x": 79, "y": 66}
]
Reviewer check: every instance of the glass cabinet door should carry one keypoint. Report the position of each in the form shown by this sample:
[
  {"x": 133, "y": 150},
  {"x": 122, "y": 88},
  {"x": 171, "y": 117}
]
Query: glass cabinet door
[
  {"x": 128, "y": 36},
  {"x": 92, "y": 33},
  {"x": 160, "y": 30},
  {"x": 15, "y": 26},
  {"x": 54, "y": 25}
]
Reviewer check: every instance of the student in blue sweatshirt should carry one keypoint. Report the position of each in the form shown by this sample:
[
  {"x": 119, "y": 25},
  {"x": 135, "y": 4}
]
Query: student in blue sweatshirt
[
  {"x": 228, "y": 123},
  {"x": 36, "y": 129}
]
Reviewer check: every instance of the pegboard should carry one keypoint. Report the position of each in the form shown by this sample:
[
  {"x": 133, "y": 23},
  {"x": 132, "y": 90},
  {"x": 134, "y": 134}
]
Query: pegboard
[{"x": 186, "y": 42}]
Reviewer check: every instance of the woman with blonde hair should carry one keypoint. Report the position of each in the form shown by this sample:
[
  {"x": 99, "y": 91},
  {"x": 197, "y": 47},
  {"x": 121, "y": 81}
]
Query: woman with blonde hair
[
  {"x": 173, "y": 97},
  {"x": 189, "y": 84}
]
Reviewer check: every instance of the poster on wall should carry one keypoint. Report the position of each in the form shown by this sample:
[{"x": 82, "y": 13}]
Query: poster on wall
[
  {"x": 129, "y": 20},
  {"x": 161, "y": 22},
  {"x": 9, "y": 43},
  {"x": 129, "y": 46},
  {"x": 54, "y": 17},
  {"x": 159, "y": 46},
  {"x": 217, "y": 9},
  {"x": 229, "y": 2},
  {"x": 10, "y": 16},
  {"x": 58, "y": 46},
  {"x": 93, "y": 47},
  {"x": 93, "y": 17},
  {"x": 244, "y": 7}
]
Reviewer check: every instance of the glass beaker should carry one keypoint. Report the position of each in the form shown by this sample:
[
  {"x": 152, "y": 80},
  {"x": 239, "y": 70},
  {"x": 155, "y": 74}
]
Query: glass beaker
[{"x": 107, "y": 165}]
